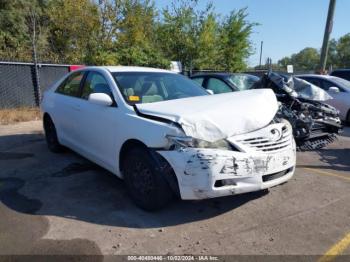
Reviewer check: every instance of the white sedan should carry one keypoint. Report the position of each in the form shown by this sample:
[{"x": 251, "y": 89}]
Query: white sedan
[{"x": 166, "y": 136}]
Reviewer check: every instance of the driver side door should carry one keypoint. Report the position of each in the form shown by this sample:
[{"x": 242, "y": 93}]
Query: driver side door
[
  {"x": 339, "y": 100},
  {"x": 98, "y": 123}
]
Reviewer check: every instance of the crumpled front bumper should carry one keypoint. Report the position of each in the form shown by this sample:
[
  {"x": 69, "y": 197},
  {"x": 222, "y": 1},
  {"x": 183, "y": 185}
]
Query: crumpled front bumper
[{"x": 201, "y": 172}]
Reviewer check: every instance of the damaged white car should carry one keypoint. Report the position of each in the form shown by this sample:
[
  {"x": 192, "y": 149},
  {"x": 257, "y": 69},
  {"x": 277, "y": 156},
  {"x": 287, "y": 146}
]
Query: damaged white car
[{"x": 165, "y": 135}]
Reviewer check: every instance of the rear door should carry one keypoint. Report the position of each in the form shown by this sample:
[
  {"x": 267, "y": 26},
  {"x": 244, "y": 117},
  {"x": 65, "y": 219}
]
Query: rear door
[{"x": 66, "y": 111}]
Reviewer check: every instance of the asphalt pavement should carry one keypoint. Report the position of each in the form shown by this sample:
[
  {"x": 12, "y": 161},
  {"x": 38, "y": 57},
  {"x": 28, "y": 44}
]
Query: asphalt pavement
[{"x": 64, "y": 204}]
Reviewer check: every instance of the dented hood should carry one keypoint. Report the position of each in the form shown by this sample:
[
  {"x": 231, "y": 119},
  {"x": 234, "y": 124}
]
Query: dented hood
[
  {"x": 307, "y": 90},
  {"x": 216, "y": 117}
]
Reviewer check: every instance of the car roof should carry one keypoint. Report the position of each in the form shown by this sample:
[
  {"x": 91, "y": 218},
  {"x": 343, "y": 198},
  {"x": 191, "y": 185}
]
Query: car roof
[
  {"x": 315, "y": 76},
  {"x": 341, "y": 70},
  {"x": 327, "y": 77},
  {"x": 217, "y": 74},
  {"x": 129, "y": 69}
]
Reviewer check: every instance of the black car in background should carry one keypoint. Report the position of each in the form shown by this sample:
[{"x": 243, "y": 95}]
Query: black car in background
[
  {"x": 225, "y": 82},
  {"x": 342, "y": 73}
]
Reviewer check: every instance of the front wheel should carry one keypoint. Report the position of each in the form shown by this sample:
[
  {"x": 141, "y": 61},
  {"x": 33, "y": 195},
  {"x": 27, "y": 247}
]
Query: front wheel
[{"x": 146, "y": 184}]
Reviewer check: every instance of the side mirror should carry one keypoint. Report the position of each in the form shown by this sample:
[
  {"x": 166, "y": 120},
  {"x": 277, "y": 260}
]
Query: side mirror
[
  {"x": 210, "y": 92},
  {"x": 101, "y": 99},
  {"x": 333, "y": 89}
]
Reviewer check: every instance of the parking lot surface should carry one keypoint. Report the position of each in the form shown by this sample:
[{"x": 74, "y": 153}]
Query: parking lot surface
[{"x": 64, "y": 204}]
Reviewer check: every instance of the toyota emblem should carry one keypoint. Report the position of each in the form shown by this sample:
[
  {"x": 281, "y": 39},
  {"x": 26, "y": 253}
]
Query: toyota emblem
[{"x": 275, "y": 134}]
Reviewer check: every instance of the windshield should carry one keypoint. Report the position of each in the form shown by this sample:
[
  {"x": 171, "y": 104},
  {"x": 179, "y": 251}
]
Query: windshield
[
  {"x": 243, "y": 81},
  {"x": 342, "y": 82},
  {"x": 149, "y": 87}
]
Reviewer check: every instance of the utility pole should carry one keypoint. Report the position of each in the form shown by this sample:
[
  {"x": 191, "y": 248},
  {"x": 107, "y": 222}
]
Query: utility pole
[
  {"x": 35, "y": 71},
  {"x": 261, "y": 48},
  {"x": 327, "y": 33}
]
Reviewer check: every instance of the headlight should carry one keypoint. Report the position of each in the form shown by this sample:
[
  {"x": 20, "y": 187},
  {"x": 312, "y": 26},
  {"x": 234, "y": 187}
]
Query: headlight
[{"x": 188, "y": 141}]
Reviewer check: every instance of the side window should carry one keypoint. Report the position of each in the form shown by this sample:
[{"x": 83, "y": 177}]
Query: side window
[
  {"x": 328, "y": 84},
  {"x": 95, "y": 83},
  {"x": 315, "y": 82},
  {"x": 218, "y": 86},
  {"x": 71, "y": 85},
  {"x": 199, "y": 80}
]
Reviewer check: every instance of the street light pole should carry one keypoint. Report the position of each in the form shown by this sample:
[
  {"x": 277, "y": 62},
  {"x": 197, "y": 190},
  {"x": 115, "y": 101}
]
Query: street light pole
[{"x": 327, "y": 33}]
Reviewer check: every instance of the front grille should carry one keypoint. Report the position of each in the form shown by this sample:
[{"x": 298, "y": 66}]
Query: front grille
[
  {"x": 266, "y": 144},
  {"x": 276, "y": 175}
]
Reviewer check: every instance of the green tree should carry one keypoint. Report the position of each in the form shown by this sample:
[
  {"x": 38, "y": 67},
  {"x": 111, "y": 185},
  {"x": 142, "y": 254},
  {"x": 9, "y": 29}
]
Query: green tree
[
  {"x": 136, "y": 44},
  {"x": 332, "y": 56},
  {"x": 105, "y": 52},
  {"x": 307, "y": 59},
  {"x": 234, "y": 45},
  {"x": 177, "y": 32},
  {"x": 22, "y": 25},
  {"x": 343, "y": 51},
  {"x": 129, "y": 32},
  {"x": 12, "y": 29},
  {"x": 207, "y": 41},
  {"x": 201, "y": 41},
  {"x": 74, "y": 27},
  {"x": 284, "y": 62}
]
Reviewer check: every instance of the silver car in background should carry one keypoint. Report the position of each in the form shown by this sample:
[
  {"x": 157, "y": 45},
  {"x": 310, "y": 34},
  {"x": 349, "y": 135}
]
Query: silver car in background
[{"x": 336, "y": 87}]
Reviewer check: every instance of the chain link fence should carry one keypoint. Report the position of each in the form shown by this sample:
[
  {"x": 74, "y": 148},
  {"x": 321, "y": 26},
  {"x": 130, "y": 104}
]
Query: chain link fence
[{"x": 22, "y": 86}]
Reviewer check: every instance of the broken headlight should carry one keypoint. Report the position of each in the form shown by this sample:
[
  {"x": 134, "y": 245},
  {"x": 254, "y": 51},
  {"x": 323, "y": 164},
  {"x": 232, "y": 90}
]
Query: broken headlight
[{"x": 188, "y": 141}]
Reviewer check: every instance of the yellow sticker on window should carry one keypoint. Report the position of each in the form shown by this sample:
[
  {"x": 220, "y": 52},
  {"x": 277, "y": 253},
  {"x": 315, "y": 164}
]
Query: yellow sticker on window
[{"x": 134, "y": 98}]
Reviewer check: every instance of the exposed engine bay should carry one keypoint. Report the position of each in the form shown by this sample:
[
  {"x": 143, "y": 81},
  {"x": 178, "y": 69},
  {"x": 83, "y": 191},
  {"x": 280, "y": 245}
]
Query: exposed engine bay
[{"x": 315, "y": 124}]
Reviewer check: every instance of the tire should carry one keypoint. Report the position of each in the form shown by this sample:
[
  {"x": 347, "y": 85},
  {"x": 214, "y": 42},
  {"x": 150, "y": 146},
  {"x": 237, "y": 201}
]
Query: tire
[
  {"x": 348, "y": 118},
  {"x": 51, "y": 136},
  {"x": 146, "y": 184}
]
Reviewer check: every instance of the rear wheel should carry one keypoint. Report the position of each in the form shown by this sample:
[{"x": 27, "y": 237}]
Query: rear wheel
[
  {"x": 51, "y": 135},
  {"x": 146, "y": 184}
]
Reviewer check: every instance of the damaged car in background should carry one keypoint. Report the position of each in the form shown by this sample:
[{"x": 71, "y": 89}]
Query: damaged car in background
[
  {"x": 166, "y": 136},
  {"x": 315, "y": 123}
]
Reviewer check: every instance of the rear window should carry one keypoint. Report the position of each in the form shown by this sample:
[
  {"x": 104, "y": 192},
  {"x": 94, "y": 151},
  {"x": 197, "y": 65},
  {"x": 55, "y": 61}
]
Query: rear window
[{"x": 71, "y": 85}]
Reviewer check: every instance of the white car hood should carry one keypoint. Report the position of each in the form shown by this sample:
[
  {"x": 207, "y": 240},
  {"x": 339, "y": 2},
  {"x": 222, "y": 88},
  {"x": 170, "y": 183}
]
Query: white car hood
[{"x": 216, "y": 117}]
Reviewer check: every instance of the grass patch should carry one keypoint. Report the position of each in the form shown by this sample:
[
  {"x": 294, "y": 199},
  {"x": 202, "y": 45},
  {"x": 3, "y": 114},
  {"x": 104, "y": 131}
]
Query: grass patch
[{"x": 16, "y": 115}]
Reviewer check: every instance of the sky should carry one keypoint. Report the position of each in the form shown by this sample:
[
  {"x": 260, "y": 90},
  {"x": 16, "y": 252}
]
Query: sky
[{"x": 286, "y": 26}]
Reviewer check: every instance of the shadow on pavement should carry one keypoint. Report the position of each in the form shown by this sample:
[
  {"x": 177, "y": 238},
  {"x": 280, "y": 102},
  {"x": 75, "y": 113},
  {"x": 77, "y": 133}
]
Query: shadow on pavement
[
  {"x": 84, "y": 191},
  {"x": 10, "y": 141},
  {"x": 335, "y": 159},
  {"x": 23, "y": 234}
]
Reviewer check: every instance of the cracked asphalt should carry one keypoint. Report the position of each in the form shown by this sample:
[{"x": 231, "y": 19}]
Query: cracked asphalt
[{"x": 64, "y": 204}]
